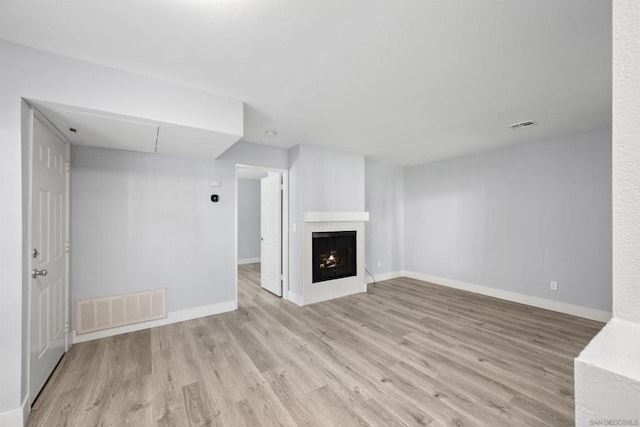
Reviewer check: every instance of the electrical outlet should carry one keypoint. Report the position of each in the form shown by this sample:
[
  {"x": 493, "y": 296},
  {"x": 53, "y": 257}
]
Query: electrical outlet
[
  {"x": 553, "y": 285},
  {"x": 379, "y": 264}
]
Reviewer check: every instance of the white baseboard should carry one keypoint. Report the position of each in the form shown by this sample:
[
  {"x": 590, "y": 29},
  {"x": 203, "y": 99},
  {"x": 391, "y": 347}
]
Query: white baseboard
[
  {"x": 561, "y": 307},
  {"x": 295, "y": 298},
  {"x": 385, "y": 276},
  {"x": 172, "y": 317},
  {"x": 26, "y": 409},
  {"x": 248, "y": 260},
  {"x": 16, "y": 417}
]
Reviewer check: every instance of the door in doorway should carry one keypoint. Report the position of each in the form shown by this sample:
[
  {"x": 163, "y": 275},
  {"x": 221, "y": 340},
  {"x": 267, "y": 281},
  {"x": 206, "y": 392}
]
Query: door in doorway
[
  {"x": 48, "y": 284},
  {"x": 271, "y": 233}
]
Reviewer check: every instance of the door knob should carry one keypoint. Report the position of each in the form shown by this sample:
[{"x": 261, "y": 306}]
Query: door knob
[{"x": 35, "y": 273}]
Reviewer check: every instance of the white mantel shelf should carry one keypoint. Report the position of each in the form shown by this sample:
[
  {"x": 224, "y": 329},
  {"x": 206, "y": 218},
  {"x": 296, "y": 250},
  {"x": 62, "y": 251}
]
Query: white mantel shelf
[{"x": 335, "y": 216}]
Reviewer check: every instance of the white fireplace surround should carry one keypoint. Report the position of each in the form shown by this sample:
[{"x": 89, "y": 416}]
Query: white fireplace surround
[
  {"x": 325, "y": 222},
  {"x": 335, "y": 216}
]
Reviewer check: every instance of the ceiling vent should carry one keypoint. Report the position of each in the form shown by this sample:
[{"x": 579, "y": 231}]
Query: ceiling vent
[{"x": 522, "y": 125}]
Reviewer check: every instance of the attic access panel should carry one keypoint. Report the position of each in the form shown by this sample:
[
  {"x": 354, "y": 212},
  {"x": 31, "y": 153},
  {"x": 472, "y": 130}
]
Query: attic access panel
[
  {"x": 131, "y": 133},
  {"x": 96, "y": 130}
]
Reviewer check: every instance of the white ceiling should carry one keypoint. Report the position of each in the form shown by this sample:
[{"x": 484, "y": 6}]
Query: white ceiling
[{"x": 406, "y": 81}]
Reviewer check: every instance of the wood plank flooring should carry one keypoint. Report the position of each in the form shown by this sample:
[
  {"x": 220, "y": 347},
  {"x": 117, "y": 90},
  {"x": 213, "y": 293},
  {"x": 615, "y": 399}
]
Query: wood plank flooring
[{"x": 404, "y": 353}]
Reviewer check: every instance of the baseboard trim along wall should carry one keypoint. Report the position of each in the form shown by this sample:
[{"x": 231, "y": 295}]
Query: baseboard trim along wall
[
  {"x": 561, "y": 307},
  {"x": 26, "y": 410},
  {"x": 15, "y": 417},
  {"x": 295, "y": 298},
  {"x": 379, "y": 277},
  {"x": 248, "y": 261},
  {"x": 172, "y": 317}
]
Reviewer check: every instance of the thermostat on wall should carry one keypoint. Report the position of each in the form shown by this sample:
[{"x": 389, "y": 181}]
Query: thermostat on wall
[{"x": 215, "y": 183}]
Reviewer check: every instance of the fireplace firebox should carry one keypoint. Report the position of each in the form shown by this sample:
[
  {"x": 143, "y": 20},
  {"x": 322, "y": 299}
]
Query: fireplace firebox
[{"x": 334, "y": 255}]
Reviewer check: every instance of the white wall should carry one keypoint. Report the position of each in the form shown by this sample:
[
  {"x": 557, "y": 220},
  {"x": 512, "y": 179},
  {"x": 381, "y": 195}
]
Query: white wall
[
  {"x": 384, "y": 202},
  {"x": 143, "y": 221},
  {"x": 331, "y": 180},
  {"x": 248, "y": 219},
  {"x": 516, "y": 219},
  {"x": 607, "y": 372},
  {"x": 28, "y": 73},
  {"x": 626, "y": 160}
]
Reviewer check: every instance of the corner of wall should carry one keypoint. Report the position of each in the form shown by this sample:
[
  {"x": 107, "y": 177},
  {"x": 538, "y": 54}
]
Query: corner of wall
[
  {"x": 16, "y": 417},
  {"x": 607, "y": 376}
]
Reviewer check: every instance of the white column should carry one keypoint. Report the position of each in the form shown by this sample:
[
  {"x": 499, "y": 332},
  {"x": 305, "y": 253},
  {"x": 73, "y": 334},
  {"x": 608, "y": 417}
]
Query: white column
[{"x": 607, "y": 372}]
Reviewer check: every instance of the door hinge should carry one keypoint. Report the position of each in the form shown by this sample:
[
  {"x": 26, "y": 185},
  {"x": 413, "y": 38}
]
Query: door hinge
[
  {"x": 67, "y": 247},
  {"x": 67, "y": 166},
  {"x": 66, "y": 327}
]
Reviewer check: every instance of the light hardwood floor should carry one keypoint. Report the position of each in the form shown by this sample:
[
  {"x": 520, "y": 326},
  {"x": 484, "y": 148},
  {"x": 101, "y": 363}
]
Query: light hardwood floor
[{"x": 404, "y": 353}]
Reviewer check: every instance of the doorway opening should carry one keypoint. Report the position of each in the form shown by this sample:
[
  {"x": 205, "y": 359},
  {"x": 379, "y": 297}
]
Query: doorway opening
[{"x": 262, "y": 207}]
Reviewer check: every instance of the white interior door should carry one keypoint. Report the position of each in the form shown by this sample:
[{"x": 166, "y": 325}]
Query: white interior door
[
  {"x": 271, "y": 233},
  {"x": 48, "y": 284}
]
